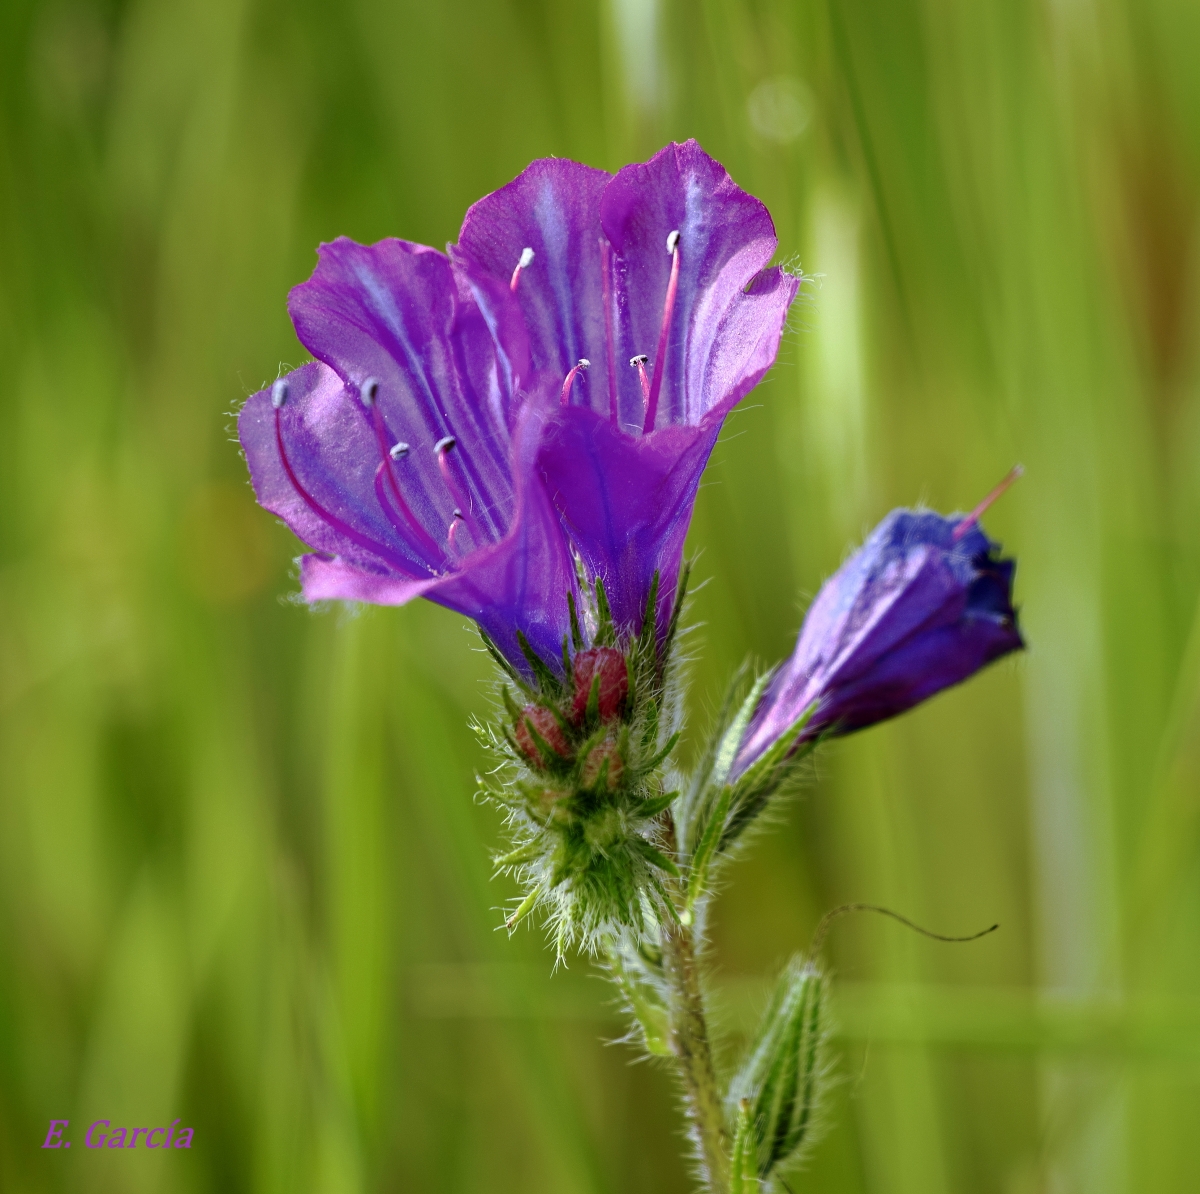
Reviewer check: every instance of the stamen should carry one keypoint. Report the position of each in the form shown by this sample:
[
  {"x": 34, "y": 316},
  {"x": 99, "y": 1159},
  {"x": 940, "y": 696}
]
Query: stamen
[
  {"x": 387, "y": 456},
  {"x": 279, "y": 391},
  {"x": 971, "y": 519},
  {"x": 443, "y": 448},
  {"x": 523, "y": 262},
  {"x": 639, "y": 363},
  {"x": 660, "y": 359},
  {"x": 582, "y": 364},
  {"x": 606, "y": 291},
  {"x": 458, "y": 517}
]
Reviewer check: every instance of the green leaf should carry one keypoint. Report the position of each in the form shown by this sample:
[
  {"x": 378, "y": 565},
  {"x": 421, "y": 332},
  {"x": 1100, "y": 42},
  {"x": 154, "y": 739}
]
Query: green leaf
[
  {"x": 655, "y": 856},
  {"x": 710, "y": 799},
  {"x": 650, "y": 733},
  {"x": 606, "y": 632},
  {"x": 780, "y": 1076},
  {"x": 692, "y": 810},
  {"x": 503, "y": 663},
  {"x": 731, "y": 740},
  {"x": 680, "y": 597},
  {"x": 743, "y": 1166},
  {"x": 707, "y": 847},
  {"x": 658, "y": 804},
  {"x": 647, "y": 639},
  {"x": 643, "y": 997},
  {"x": 548, "y": 682},
  {"x": 763, "y": 779},
  {"x": 514, "y": 710},
  {"x": 526, "y": 853},
  {"x": 653, "y": 763},
  {"x": 524, "y": 908},
  {"x": 577, "y": 638}
]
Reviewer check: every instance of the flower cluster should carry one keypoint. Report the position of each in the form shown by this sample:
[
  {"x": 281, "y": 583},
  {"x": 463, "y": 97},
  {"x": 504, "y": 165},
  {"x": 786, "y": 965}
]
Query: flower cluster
[{"x": 516, "y": 429}]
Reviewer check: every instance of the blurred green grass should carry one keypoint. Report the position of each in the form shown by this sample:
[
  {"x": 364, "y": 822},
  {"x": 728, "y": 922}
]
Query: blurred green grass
[{"x": 242, "y": 880}]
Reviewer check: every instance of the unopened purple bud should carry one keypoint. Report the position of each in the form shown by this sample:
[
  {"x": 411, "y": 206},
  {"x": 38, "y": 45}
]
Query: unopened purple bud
[
  {"x": 537, "y": 719},
  {"x": 922, "y": 605},
  {"x": 608, "y": 664}
]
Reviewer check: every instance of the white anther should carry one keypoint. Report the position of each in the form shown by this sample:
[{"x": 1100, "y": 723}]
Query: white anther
[
  {"x": 457, "y": 512},
  {"x": 672, "y": 240},
  {"x": 583, "y": 363},
  {"x": 526, "y": 257},
  {"x": 368, "y": 390},
  {"x": 279, "y": 393},
  {"x": 444, "y": 444},
  {"x": 640, "y": 359},
  {"x": 398, "y": 451}
]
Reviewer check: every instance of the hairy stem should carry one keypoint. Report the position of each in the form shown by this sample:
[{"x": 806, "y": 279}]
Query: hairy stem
[{"x": 689, "y": 1042}]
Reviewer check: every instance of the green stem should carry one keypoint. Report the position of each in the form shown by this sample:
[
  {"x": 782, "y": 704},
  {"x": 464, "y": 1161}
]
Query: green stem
[{"x": 689, "y": 1043}]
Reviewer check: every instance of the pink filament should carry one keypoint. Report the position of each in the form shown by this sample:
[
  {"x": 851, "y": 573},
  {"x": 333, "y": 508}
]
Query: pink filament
[
  {"x": 566, "y": 387},
  {"x": 971, "y": 519},
  {"x": 660, "y": 358},
  {"x": 381, "y": 437},
  {"x": 326, "y": 516},
  {"x": 456, "y": 493},
  {"x": 641, "y": 368}
]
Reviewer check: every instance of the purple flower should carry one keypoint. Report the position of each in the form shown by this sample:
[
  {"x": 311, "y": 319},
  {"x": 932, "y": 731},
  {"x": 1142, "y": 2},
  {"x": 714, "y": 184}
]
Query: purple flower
[
  {"x": 405, "y": 454},
  {"x": 466, "y": 427},
  {"x": 647, "y": 298},
  {"x": 923, "y": 604}
]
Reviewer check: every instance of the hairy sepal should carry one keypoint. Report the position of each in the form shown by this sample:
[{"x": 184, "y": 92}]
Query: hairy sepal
[
  {"x": 743, "y": 1167},
  {"x": 777, "y": 1086},
  {"x": 591, "y": 846},
  {"x": 637, "y": 972},
  {"x": 715, "y": 812}
]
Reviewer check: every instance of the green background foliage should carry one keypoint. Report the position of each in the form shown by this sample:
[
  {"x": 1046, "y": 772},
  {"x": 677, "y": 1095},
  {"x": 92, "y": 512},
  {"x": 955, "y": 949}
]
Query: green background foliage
[{"x": 242, "y": 878}]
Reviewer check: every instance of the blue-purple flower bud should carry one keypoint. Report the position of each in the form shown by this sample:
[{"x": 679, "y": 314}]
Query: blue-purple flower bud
[{"x": 923, "y": 604}]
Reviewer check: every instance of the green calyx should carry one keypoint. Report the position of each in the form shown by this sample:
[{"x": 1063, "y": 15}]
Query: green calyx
[
  {"x": 608, "y": 838},
  {"x": 774, "y": 1096},
  {"x": 582, "y": 775}
]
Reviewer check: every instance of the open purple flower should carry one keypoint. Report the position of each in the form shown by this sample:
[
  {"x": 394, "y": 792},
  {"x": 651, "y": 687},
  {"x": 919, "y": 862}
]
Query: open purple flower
[
  {"x": 647, "y": 297},
  {"x": 405, "y": 454},
  {"x": 922, "y": 605}
]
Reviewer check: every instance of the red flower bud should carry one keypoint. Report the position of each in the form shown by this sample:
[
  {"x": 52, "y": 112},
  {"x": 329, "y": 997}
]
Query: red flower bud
[
  {"x": 545, "y": 724},
  {"x": 609, "y": 664},
  {"x": 606, "y": 752}
]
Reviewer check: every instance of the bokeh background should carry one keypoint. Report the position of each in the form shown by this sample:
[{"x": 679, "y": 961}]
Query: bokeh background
[{"x": 242, "y": 877}]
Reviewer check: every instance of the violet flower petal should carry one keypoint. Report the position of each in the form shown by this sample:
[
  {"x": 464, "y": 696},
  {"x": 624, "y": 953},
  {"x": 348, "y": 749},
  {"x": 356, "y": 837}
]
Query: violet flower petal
[
  {"x": 596, "y": 289},
  {"x": 553, "y": 208},
  {"x": 726, "y": 238},
  {"x": 912, "y": 612},
  {"x": 393, "y": 324}
]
